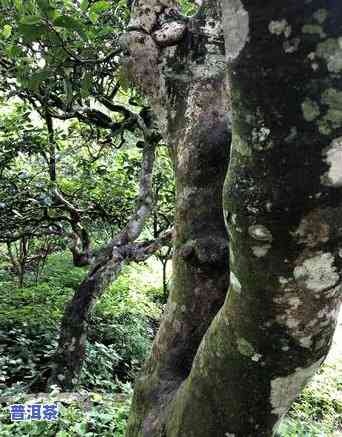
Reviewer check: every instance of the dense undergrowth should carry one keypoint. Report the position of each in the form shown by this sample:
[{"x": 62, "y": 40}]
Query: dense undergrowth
[{"x": 120, "y": 334}]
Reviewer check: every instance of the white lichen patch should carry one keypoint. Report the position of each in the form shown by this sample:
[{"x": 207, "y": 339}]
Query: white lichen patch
[
  {"x": 317, "y": 273},
  {"x": 245, "y": 348},
  {"x": 284, "y": 389},
  {"x": 302, "y": 314},
  {"x": 256, "y": 357},
  {"x": 72, "y": 345},
  {"x": 177, "y": 325},
  {"x": 306, "y": 342},
  {"x": 83, "y": 338},
  {"x": 260, "y": 134},
  {"x": 235, "y": 27},
  {"x": 333, "y": 157},
  {"x": 252, "y": 209},
  {"x": 332, "y": 119},
  {"x": 169, "y": 33},
  {"x": 280, "y": 27},
  {"x": 312, "y": 230},
  {"x": 331, "y": 51},
  {"x": 313, "y": 29},
  {"x": 321, "y": 15},
  {"x": 291, "y": 322},
  {"x": 260, "y": 251},
  {"x": 234, "y": 282},
  {"x": 310, "y": 110},
  {"x": 292, "y": 134},
  {"x": 294, "y": 302},
  {"x": 291, "y": 46},
  {"x": 269, "y": 206},
  {"x": 212, "y": 29},
  {"x": 260, "y": 233},
  {"x": 261, "y": 138},
  {"x": 170, "y": 310}
]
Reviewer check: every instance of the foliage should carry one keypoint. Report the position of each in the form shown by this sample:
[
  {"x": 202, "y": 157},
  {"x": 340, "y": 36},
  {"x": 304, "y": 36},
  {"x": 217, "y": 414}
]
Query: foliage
[
  {"x": 29, "y": 320},
  {"x": 103, "y": 415},
  {"x": 132, "y": 291},
  {"x": 100, "y": 180},
  {"x": 120, "y": 330},
  {"x": 318, "y": 410},
  {"x": 59, "y": 60},
  {"x": 98, "y": 415},
  {"x": 57, "y": 45}
]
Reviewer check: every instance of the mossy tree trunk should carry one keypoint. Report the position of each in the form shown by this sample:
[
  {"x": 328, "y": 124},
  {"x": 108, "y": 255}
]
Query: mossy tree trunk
[
  {"x": 188, "y": 83},
  {"x": 282, "y": 206}
]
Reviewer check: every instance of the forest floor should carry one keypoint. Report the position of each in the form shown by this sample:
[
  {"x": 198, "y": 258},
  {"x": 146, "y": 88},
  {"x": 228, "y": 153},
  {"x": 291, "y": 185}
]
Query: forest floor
[{"x": 122, "y": 329}]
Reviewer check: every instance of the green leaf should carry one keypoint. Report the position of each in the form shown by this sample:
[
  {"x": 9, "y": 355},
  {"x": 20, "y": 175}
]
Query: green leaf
[
  {"x": 40, "y": 75},
  {"x": 93, "y": 17},
  {"x": 67, "y": 22},
  {"x": 44, "y": 5},
  {"x": 29, "y": 84},
  {"x": 30, "y": 19},
  {"x": 14, "y": 51},
  {"x": 18, "y": 4},
  {"x": 80, "y": 428},
  {"x": 47, "y": 9},
  {"x": 100, "y": 6},
  {"x": 84, "y": 5},
  {"x": 32, "y": 32},
  {"x": 6, "y": 31},
  {"x": 71, "y": 24}
]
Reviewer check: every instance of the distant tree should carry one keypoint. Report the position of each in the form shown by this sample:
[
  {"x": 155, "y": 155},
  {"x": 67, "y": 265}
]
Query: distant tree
[{"x": 61, "y": 58}]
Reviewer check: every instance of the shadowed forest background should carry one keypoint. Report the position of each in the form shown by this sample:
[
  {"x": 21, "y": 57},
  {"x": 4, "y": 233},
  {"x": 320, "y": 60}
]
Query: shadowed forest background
[{"x": 74, "y": 142}]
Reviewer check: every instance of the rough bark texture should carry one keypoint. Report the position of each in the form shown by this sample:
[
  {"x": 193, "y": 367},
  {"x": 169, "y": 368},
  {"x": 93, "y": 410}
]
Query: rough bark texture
[
  {"x": 283, "y": 209},
  {"x": 192, "y": 89}
]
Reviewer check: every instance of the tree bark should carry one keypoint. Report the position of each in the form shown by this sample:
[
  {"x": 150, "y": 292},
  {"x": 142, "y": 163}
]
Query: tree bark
[
  {"x": 282, "y": 206},
  {"x": 190, "y": 86}
]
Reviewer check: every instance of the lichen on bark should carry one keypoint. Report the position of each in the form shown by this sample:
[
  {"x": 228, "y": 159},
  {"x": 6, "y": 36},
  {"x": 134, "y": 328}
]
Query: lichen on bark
[{"x": 281, "y": 209}]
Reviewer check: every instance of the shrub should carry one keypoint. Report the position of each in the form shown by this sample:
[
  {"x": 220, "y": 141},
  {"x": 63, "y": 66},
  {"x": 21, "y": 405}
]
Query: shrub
[
  {"x": 120, "y": 329},
  {"x": 92, "y": 415}
]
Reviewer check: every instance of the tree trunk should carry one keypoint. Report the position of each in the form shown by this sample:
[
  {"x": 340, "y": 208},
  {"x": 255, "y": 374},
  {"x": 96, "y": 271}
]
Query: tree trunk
[
  {"x": 282, "y": 206},
  {"x": 196, "y": 103},
  {"x": 18, "y": 259},
  {"x": 164, "y": 262}
]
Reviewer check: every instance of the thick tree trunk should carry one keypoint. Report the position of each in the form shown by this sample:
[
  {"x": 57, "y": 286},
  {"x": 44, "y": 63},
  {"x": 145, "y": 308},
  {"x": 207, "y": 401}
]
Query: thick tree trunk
[
  {"x": 193, "y": 78},
  {"x": 283, "y": 208}
]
